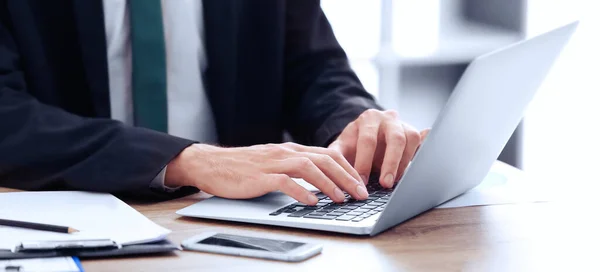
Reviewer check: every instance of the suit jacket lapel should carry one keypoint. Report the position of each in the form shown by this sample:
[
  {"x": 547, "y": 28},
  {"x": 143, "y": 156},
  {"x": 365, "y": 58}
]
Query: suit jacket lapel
[
  {"x": 221, "y": 26},
  {"x": 89, "y": 16}
]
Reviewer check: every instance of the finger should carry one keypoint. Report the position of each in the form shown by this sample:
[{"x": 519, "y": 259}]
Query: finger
[
  {"x": 347, "y": 151},
  {"x": 289, "y": 187},
  {"x": 365, "y": 149},
  {"x": 338, "y": 175},
  {"x": 413, "y": 141},
  {"x": 337, "y": 146},
  {"x": 331, "y": 152},
  {"x": 350, "y": 131},
  {"x": 303, "y": 167},
  {"x": 396, "y": 141},
  {"x": 346, "y": 142},
  {"x": 423, "y": 134}
]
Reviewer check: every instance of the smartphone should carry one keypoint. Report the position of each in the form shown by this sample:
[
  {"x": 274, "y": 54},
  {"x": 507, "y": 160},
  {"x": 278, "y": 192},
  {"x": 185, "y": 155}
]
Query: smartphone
[{"x": 281, "y": 250}]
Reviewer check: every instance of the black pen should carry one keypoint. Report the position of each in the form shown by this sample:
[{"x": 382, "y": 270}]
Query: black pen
[{"x": 36, "y": 226}]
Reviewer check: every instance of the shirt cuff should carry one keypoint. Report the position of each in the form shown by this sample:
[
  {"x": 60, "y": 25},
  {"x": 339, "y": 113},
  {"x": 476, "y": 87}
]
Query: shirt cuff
[{"x": 158, "y": 183}]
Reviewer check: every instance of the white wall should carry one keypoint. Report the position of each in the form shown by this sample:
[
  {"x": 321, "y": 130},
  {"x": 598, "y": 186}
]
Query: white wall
[{"x": 562, "y": 126}]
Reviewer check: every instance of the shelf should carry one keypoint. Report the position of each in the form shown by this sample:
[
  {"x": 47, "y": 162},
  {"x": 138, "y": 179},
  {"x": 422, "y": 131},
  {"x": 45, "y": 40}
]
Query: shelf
[{"x": 459, "y": 44}]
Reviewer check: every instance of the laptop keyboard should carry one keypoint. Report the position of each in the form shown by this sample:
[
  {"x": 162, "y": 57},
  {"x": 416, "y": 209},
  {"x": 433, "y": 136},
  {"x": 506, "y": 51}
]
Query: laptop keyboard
[{"x": 350, "y": 210}]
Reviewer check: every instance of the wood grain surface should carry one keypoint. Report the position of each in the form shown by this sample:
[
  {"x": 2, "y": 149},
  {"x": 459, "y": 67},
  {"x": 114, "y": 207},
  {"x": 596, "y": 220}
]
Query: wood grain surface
[{"x": 551, "y": 236}]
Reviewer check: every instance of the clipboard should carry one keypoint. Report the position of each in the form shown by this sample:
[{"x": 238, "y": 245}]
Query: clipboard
[
  {"x": 98, "y": 236},
  {"x": 85, "y": 249}
]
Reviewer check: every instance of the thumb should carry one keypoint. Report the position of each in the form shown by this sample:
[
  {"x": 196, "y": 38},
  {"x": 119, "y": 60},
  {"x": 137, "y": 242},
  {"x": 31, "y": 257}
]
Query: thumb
[
  {"x": 339, "y": 147},
  {"x": 424, "y": 133},
  {"x": 335, "y": 145}
]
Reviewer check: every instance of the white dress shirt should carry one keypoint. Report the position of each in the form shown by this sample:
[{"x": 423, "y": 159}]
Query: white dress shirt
[{"x": 189, "y": 112}]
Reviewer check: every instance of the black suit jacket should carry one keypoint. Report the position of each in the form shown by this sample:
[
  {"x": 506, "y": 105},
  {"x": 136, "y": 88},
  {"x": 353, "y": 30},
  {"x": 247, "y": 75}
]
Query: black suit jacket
[{"x": 273, "y": 66}]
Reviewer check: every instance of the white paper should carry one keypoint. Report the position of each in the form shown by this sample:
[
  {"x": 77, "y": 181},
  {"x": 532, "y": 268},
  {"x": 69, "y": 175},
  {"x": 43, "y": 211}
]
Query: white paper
[
  {"x": 95, "y": 215},
  {"x": 503, "y": 185},
  {"x": 58, "y": 264}
]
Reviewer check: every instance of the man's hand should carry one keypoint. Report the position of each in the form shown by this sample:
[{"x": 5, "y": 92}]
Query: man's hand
[
  {"x": 248, "y": 172},
  {"x": 378, "y": 141}
]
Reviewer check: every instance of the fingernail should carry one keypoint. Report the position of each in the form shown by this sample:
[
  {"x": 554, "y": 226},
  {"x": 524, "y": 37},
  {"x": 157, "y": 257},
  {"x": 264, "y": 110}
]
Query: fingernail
[
  {"x": 312, "y": 199},
  {"x": 364, "y": 179},
  {"x": 389, "y": 180},
  {"x": 361, "y": 191},
  {"x": 338, "y": 194}
]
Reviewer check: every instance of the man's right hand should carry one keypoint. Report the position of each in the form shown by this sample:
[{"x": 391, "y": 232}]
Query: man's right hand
[{"x": 247, "y": 172}]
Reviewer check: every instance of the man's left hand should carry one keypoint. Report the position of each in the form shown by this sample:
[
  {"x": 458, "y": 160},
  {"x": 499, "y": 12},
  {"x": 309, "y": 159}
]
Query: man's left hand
[{"x": 378, "y": 141}]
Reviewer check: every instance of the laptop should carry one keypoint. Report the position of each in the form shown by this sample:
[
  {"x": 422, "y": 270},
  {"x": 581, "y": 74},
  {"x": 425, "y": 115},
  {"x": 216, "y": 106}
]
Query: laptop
[{"x": 477, "y": 121}]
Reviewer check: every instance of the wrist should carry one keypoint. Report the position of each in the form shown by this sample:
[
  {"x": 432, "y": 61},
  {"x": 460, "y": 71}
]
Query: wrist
[{"x": 176, "y": 174}]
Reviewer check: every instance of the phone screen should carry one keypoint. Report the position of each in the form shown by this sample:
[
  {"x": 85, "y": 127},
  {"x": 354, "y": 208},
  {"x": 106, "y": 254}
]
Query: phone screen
[{"x": 228, "y": 240}]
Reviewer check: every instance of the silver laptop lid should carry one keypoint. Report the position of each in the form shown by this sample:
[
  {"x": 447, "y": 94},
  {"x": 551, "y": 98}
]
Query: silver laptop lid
[{"x": 484, "y": 109}]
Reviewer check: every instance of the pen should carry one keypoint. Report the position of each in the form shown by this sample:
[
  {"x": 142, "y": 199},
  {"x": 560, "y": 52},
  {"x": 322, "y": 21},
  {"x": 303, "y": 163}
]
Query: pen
[{"x": 36, "y": 226}]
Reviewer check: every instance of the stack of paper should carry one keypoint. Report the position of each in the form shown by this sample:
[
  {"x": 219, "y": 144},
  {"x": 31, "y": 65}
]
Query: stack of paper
[{"x": 95, "y": 215}]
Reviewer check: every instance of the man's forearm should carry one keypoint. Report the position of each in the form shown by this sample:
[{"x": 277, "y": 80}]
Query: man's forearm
[{"x": 43, "y": 147}]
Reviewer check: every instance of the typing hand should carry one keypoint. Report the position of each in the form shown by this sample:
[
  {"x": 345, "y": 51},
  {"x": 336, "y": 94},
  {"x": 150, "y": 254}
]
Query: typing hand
[
  {"x": 378, "y": 141},
  {"x": 248, "y": 172}
]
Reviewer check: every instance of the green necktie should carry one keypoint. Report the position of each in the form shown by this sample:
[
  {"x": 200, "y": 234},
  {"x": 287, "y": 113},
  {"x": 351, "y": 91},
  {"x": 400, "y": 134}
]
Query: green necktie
[{"x": 149, "y": 73}]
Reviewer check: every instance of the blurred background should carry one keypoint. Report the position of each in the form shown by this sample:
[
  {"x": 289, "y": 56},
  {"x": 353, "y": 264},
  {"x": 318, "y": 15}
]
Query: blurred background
[{"x": 410, "y": 54}]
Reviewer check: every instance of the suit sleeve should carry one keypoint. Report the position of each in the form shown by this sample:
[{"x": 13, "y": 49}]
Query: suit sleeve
[
  {"x": 323, "y": 94},
  {"x": 43, "y": 147}
]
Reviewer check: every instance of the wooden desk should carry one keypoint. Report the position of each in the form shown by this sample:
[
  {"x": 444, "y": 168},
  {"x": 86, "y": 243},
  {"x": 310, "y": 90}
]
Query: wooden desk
[{"x": 557, "y": 236}]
